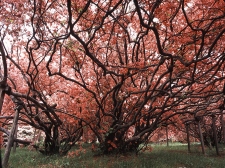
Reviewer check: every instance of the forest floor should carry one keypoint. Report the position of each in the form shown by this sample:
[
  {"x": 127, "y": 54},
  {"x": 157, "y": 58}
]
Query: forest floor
[{"x": 156, "y": 156}]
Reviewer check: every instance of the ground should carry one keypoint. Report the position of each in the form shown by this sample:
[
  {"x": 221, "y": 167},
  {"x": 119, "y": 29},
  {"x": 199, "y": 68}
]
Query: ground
[{"x": 157, "y": 156}]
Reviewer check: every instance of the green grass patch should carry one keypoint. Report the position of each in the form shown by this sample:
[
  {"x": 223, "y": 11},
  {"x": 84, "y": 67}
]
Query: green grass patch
[{"x": 158, "y": 156}]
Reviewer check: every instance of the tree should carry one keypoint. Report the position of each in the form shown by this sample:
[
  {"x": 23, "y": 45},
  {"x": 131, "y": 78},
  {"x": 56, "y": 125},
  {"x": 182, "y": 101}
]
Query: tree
[
  {"x": 3, "y": 82},
  {"x": 125, "y": 68}
]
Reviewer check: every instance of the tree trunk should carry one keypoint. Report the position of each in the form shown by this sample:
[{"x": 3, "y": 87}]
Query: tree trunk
[
  {"x": 51, "y": 143},
  {"x": 15, "y": 137},
  {"x": 167, "y": 139},
  {"x": 47, "y": 143},
  {"x": 223, "y": 126},
  {"x": 34, "y": 137},
  {"x": 3, "y": 81},
  {"x": 215, "y": 134},
  {"x": 188, "y": 138},
  {"x": 2, "y": 94},
  {"x": 10, "y": 140},
  {"x": 55, "y": 139},
  {"x": 201, "y": 137}
]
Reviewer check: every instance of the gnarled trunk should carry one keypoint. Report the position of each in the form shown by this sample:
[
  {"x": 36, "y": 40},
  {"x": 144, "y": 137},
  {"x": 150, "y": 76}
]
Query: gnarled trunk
[{"x": 51, "y": 142}]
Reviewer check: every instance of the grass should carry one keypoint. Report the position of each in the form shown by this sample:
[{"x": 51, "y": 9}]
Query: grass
[{"x": 161, "y": 156}]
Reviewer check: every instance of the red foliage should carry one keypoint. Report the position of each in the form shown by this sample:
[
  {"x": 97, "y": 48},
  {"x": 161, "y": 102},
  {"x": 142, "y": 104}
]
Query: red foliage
[{"x": 115, "y": 71}]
